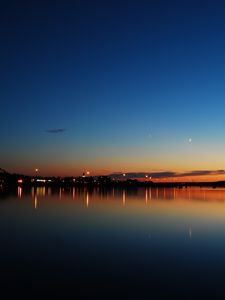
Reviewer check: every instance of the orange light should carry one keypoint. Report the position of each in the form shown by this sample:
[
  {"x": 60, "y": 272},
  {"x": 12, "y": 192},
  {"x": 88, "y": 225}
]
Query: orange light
[{"x": 20, "y": 180}]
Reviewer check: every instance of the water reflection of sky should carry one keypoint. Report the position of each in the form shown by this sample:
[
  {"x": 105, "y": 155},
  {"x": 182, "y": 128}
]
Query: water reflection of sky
[{"x": 133, "y": 232}]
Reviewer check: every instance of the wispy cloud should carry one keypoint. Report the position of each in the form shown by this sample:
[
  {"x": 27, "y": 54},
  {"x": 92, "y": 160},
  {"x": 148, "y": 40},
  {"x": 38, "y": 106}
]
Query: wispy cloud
[
  {"x": 143, "y": 174},
  {"x": 169, "y": 174},
  {"x": 55, "y": 130},
  {"x": 202, "y": 173}
]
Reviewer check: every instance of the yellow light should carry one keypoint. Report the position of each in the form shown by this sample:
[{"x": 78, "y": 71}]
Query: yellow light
[
  {"x": 20, "y": 180},
  {"x": 88, "y": 172},
  {"x": 124, "y": 174}
]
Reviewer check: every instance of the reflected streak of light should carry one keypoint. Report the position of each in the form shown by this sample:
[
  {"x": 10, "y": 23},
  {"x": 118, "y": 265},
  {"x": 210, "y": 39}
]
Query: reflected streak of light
[
  {"x": 87, "y": 199},
  {"x": 174, "y": 193},
  {"x": 19, "y": 190},
  {"x": 150, "y": 194},
  {"x": 124, "y": 197},
  {"x": 74, "y": 193},
  {"x": 32, "y": 192},
  {"x": 49, "y": 192},
  {"x": 164, "y": 193},
  {"x": 190, "y": 233},
  {"x": 146, "y": 196},
  {"x": 157, "y": 193},
  {"x": 35, "y": 201},
  {"x": 60, "y": 193},
  {"x": 113, "y": 193},
  {"x": 41, "y": 191}
]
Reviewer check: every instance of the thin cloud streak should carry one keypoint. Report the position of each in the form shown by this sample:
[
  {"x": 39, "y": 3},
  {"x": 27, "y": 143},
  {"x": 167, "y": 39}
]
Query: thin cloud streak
[
  {"x": 169, "y": 174},
  {"x": 55, "y": 130},
  {"x": 203, "y": 173}
]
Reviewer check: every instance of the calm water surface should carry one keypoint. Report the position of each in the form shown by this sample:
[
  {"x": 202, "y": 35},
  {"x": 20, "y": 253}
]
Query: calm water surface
[{"x": 135, "y": 243}]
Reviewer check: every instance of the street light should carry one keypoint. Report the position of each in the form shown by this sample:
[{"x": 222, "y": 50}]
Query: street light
[{"x": 36, "y": 171}]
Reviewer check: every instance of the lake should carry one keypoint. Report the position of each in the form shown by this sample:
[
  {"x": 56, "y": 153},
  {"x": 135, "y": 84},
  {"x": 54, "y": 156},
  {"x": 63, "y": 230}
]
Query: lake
[{"x": 144, "y": 243}]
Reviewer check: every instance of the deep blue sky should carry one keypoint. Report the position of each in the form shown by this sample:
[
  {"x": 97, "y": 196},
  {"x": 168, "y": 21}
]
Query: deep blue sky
[{"x": 131, "y": 82}]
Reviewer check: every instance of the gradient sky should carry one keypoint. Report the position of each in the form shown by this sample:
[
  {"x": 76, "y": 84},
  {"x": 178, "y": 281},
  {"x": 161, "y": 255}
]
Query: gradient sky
[{"x": 112, "y": 86}]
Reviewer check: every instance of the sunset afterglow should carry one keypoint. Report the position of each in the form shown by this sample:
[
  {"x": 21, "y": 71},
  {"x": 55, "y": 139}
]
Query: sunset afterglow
[{"x": 100, "y": 92}]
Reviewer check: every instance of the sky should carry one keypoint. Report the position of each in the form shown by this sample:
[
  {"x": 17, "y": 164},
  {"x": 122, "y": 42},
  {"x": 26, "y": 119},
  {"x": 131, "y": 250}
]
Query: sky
[{"x": 112, "y": 86}]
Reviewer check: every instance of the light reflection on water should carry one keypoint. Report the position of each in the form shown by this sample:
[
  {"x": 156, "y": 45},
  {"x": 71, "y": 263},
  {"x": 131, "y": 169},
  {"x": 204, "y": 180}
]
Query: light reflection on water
[{"x": 157, "y": 242}]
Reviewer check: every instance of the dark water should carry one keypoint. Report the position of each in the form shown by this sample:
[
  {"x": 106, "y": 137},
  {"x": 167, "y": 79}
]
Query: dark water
[{"x": 91, "y": 244}]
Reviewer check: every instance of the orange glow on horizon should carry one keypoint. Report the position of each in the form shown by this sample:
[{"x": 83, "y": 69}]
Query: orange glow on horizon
[
  {"x": 202, "y": 178},
  {"x": 75, "y": 171}
]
